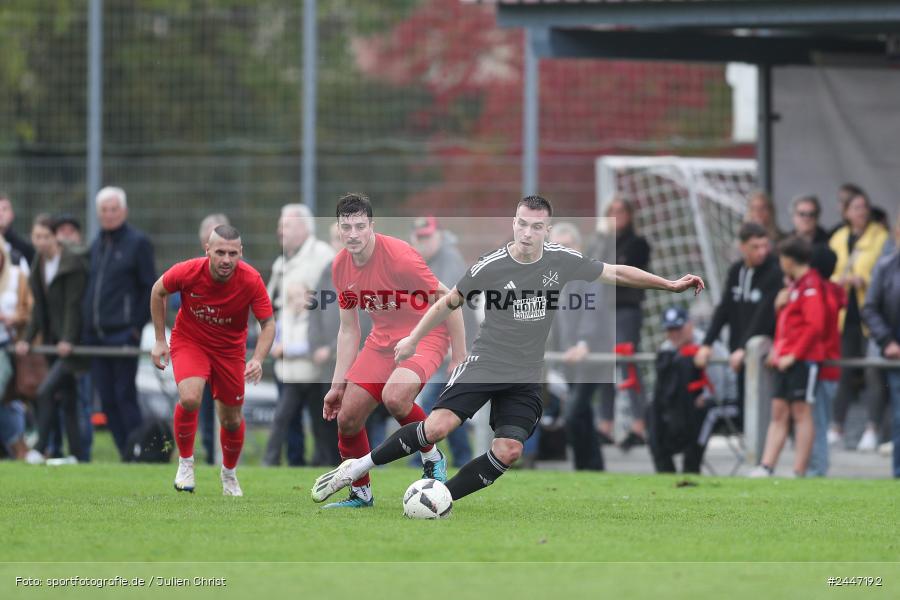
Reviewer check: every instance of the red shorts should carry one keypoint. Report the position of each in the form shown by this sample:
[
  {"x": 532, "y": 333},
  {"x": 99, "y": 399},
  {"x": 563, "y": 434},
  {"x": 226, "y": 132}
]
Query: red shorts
[
  {"x": 372, "y": 368},
  {"x": 225, "y": 374}
]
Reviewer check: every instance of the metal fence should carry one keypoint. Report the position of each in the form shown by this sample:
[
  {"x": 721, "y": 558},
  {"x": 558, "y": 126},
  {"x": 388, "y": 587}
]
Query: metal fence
[{"x": 419, "y": 102}]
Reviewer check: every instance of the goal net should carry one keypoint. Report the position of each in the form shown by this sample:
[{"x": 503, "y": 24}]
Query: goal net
[{"x": 690, "y": 210}]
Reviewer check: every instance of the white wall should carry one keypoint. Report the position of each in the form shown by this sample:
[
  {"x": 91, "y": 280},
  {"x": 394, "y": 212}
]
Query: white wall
[{"x": 836, "y": 125}]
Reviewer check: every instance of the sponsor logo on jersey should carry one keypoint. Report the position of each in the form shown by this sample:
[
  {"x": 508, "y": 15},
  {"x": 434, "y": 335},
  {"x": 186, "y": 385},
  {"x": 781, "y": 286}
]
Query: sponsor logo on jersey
[
  {"x": 533, "y": 308},
  {"x": 509, "y": 286},
  {"x": 550, "y": 278}
]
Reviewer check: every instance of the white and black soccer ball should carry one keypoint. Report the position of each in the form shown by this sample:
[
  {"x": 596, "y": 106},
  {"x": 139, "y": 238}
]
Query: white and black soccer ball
[{"x": 427, "y": 499}]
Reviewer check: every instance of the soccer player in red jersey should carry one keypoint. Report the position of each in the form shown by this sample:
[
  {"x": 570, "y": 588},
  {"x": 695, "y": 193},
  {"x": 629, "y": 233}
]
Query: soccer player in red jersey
[
  {"x": 387, "y": 278},
  {"x": 209, "y": 344}
]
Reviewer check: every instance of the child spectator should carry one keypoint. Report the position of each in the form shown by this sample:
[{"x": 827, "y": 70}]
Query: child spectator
[{"x": 795, "y": 356}]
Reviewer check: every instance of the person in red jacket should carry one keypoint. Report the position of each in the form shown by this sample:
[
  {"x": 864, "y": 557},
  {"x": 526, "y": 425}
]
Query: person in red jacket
[{"x": 798, "y": 349}]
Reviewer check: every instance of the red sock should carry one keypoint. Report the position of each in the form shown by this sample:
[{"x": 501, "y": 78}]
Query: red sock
[
  {"x": 414, "y": 416},
  {"x": 355, "y": 446},
  {"x": 232, "y": 443},
  {"x": 185, "y": 425}
]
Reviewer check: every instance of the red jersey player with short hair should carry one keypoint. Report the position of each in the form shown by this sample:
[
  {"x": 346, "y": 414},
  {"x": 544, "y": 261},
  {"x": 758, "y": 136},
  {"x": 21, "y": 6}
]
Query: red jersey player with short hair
[
  {"x": 388, "y": 279},
  {"x": 209, "y": 344}
]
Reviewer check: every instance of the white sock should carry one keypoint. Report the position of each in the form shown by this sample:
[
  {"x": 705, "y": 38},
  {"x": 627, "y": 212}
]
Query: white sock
[
  {"x": 189, "y": 459},
  {"x": 364, "y": 492},
  {"x": 361, "y": 466},
  {"x": 227, "y": 471},
  {"x": 432, "y": 455}
]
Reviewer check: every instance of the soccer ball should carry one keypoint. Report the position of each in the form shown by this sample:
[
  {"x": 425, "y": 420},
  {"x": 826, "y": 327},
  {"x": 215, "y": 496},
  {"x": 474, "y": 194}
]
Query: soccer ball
[{"x": 427, "y": 499}]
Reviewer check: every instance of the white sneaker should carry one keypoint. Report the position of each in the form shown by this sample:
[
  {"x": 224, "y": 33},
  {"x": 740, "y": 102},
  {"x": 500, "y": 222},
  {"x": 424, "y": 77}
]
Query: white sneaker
[
  {"x": 759, "y": 472},
  {"x": 886, "y": 449},
  {"x": 835, "y": 438},
  {"x": 332, "y": 482},
  {"x": 230, "y": 485},
  {"x": 33, "y": 457},
  {"x": 868, "y": 442},
  {"x": 184, "y": 479}
]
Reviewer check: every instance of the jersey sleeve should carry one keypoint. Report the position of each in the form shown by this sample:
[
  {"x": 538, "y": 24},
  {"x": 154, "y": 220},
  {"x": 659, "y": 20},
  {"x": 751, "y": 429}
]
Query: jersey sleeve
[
  {"x": 417, "y": 276},
  {"x": 261, "y": 305},
  {"x": 579, "y": 268},
  {"x": 173, "y": 279},
  {"x": 474, "y": 280}
]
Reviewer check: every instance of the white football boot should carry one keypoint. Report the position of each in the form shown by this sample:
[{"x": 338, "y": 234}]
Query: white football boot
[
  {"x": 184, "y": 478},
  {"x": 230, "y": 485},
  {"x": 332, "y": 482}
]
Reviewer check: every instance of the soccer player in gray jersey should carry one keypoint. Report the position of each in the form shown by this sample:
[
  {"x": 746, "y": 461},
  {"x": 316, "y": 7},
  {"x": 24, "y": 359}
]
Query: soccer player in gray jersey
[{"x": 521, "y": 282}]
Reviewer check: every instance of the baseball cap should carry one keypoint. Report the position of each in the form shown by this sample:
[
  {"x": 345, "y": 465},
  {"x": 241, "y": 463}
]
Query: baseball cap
[
  {"x": 674, "y": 317},
  {"x": 67, "y": 219},
  {"x": 424, "y": 226}
]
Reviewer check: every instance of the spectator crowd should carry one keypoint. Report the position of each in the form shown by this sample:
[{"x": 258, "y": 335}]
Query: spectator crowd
[{"x": 819, "y": 295}]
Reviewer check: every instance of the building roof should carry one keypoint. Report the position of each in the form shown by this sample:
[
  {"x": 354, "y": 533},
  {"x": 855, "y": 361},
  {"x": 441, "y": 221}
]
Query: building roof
[{"x": 759, "y": 31}]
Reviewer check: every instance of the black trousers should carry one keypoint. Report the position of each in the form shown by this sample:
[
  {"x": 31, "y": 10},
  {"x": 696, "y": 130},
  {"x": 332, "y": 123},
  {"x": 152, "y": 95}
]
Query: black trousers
[
  {"x": 853, "y": 345},
  {"x": 663, "y": 447},
  {"x": 580, "y": 428},
  {"x": 58, "y": 389}
]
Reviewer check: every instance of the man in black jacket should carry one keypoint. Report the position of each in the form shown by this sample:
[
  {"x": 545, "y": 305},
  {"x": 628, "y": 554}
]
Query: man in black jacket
[
  {"x": 747, "y": 305},
  {"x": 115, "y": 309}
]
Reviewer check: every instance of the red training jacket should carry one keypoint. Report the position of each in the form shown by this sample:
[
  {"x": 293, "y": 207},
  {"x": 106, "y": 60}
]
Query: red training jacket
[
  {"x": 835, "y": 301},
  {"x": 800, "y": 329}
]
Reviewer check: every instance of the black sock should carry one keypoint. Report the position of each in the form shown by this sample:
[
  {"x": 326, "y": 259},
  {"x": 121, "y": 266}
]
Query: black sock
[
  {"x": 476, "y": 474},
  {"x": 403, "y": 442}
]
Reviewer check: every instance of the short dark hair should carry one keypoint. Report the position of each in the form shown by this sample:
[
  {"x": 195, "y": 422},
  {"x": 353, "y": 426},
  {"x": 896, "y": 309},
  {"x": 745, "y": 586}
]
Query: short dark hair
[
  {"x": 227, "y": 232},
  {"x": 354, "y": 203},
  {"x": 752, "y": 230},
  {"x": 807, "y": 199},
  {"x": 536, "y": 202},
  {"x": 852, "y": 189},
  {"x": 796, "y": 248},
  {"x": 46, "y": 221}
]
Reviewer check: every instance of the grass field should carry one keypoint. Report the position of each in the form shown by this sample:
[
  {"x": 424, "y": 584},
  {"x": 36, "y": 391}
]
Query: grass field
[{"x": 566, "y": 532}]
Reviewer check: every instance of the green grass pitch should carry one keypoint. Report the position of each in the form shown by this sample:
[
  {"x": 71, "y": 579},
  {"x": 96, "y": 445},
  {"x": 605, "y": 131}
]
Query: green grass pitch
[{"x": 533, "y": 534}]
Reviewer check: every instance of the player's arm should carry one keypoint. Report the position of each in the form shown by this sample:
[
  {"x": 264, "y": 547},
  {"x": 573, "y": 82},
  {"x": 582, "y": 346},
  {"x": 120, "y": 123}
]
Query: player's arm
[
  {"x": 347, "y": 346},
  {"x": 627, "y": 276},
  {"x": 347, "y": 350},
  {"x": 253, "y": 370},
  {"x": 439, "y": 312},
  {"x": 457, "y": 328},
  {"x": 160, "y": 352}
]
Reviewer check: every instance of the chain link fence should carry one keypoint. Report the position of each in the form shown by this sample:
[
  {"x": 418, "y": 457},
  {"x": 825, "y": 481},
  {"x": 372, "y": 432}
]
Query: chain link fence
[{"x": 419, "y": 104}]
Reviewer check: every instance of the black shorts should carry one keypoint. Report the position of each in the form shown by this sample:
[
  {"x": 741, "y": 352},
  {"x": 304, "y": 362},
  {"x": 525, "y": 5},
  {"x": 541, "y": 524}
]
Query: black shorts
[
  {"x": 798, "y": 383},
  {"x": 516, "y": 408}
]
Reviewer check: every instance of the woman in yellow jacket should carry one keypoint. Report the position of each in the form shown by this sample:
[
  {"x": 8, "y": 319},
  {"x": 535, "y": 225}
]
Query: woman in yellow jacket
[{"x": 858, "y": 245}]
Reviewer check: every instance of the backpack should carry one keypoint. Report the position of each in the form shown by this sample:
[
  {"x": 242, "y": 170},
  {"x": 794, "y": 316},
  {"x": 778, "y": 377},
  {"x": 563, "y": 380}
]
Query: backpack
[{"x": 152, "y": 442}]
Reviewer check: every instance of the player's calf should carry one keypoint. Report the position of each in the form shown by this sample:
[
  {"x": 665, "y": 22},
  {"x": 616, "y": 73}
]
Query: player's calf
[{"x": 483, "y": 471}]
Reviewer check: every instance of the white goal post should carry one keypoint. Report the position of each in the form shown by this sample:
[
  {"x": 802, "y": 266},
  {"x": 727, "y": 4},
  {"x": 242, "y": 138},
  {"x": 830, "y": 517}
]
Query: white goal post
[{"x": 689, "y": 209}]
